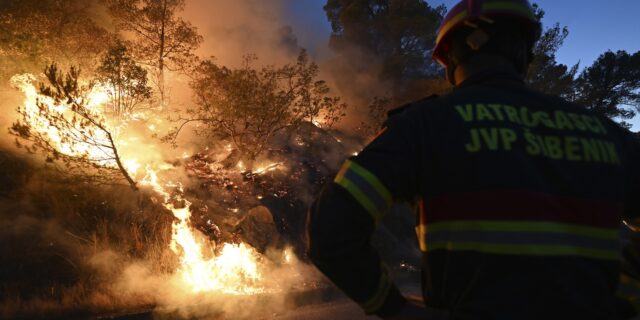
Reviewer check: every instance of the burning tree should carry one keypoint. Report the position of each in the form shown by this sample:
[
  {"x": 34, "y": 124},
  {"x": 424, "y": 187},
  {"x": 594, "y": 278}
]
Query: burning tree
[
  {"x": 63, "y": 120},
  {"x": 164, "y": 41},
  {"x": 126, "y": 82},
  {"x": 249, "y": 106}
]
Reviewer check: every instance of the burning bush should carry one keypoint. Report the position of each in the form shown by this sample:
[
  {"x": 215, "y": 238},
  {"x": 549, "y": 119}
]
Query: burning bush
[{"x": 249, "y": 106}]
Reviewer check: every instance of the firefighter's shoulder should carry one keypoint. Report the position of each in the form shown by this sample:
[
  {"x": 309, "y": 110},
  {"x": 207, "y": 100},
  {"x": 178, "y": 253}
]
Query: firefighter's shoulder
[{"x": 415, "y": 104}]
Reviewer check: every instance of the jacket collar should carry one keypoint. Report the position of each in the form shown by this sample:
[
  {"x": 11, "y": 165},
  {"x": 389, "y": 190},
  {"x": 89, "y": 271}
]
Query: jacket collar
[{"x": 495, "y": 76}]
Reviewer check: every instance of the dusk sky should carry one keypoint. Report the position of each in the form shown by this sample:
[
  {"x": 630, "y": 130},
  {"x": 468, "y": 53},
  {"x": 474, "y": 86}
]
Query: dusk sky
[{"x": 595, "y": 26}]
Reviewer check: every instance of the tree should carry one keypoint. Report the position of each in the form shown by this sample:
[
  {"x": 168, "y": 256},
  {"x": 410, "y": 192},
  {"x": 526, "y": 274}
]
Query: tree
[
  {"x": 164, "y": 40},
  {"x": 36, "y": 32},
  {"x": 125, "y": 81},
  {"x": 66, "y": 127},
  {"x": 249, "y": 106},
  {"x": 611, "y": 85},
  {"x": 545, "y": 73},
  {"x": 399, "y": 33}
]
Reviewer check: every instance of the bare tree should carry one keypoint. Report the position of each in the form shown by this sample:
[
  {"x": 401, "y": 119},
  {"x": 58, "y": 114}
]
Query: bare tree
[
  {"x": 249, "y": 106},
  {"x": 66, "y": 129},
  {"x": 125, "y": 81},
  {"x": 164, "y": 40}
]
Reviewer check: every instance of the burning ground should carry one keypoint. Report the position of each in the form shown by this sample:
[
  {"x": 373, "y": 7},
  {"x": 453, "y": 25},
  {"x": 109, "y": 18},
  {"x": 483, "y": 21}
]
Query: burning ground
[
  {"x": 177, "y": 187},
  {"x": 203, "y": 231},
  {"x": 200, "y": 228}
]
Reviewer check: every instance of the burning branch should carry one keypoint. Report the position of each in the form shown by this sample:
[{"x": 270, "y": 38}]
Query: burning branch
[{"x": 63, "y": 121}]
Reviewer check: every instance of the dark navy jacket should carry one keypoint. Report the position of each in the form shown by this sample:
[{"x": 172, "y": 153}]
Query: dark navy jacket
[{"x": 520, "y": 199}]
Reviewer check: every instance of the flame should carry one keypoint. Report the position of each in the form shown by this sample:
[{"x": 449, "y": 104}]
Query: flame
[
  {"x": 267, "y": 168},
  {"x": 70, "y": 147},
  {"x": 234, "y": 269},
  {"x": 132, "y": 166},
  {"x": 288, "y": 255}
]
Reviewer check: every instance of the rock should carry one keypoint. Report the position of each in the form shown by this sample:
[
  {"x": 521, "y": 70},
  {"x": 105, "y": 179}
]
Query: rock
[{"x": 258, "y": 229}]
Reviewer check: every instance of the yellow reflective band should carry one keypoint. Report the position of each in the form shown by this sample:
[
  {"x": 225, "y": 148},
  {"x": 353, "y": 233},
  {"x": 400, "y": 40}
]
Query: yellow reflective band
[
  {"x": 454, "y": 21},
  {"x": 366, "y": 188},
  {"x": 373, "y": 180},
  {"x": 507, "y": 6},
  {"x": 384, "y": 287},
  {"x": 421, "y": 231},
  {"x": 524, "y": 226},
  {"x": 524, "y": 249},
  {"x": 361, "y": 198}
]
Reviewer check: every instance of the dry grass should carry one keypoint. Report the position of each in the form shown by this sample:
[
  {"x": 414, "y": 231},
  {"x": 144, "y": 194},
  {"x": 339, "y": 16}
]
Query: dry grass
[{"x": 62, "y": 245}]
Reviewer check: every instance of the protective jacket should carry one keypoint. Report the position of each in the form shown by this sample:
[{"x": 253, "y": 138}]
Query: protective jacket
[{"x": 520, "y": 196}]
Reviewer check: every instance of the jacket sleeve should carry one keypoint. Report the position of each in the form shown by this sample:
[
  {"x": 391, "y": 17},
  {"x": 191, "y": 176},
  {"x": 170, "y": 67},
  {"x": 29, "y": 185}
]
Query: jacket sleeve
[
  {"x": 342, "y": 219},
  {"x": 632, "y": 193},
  {"x": 629, "y": 283}
]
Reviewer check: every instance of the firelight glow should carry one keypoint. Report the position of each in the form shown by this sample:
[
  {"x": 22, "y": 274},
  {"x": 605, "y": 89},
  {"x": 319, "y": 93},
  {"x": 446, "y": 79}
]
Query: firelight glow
[{"x": 233, "y": 269}]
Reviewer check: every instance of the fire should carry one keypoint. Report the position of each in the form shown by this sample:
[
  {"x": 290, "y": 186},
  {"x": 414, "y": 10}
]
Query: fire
[
  {"x": 267, "y": 168},
  {"x": 232, "y": 269},
  {"x": 132, "y": 166},
  {"x": 71, "y": 147}
]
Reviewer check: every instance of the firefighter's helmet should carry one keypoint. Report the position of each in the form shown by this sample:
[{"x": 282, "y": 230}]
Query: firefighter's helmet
[{"x": 472, "y": 12}]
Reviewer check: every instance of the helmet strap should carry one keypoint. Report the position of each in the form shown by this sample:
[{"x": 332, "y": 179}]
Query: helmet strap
[{"x": 452, "y": 65}]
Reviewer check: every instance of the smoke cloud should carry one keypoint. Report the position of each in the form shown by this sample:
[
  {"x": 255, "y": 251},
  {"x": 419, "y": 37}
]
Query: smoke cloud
[{"x": 232, "y": 29}]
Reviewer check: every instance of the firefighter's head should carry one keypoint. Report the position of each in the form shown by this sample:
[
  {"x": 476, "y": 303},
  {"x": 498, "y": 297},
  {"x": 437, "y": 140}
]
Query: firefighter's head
[{"x": 507, "y": 29}]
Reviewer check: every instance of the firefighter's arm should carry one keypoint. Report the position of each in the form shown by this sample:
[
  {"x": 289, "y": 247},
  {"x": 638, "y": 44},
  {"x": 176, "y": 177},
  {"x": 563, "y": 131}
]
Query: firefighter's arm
[
  {"x": 629, "y": 287},
  {"x": 632, "y": 192},
  {"x": 344, "y": 216},
  {"x": 339, "y": 231}
]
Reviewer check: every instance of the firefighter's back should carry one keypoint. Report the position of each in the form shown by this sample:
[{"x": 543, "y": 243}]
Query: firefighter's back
[{"x": 523, "y": 195}]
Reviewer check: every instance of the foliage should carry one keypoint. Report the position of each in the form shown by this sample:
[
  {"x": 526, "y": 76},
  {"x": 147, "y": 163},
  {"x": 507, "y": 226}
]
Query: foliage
[
  {"x": 377, "y": 115},
  {"x": 545, "y": 73},
  {"x": 249, "y": 106},
  {"x": 75, "y": 135},
  {"x": 126, "y": 82},
  {"x": 400, "y": 33},
  {"x": 34, "y": 32},
  {"x": 163, "y": 40},
  {"x": 611, "y": 84}
]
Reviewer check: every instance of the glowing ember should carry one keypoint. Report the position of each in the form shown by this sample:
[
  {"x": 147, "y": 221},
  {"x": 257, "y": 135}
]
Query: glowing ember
[
  {"x": 288, "y": 255},
  {"x": 267, "y": 168}
]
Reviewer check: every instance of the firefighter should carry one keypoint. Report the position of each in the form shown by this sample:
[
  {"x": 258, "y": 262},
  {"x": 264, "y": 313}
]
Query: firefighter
[{"x": 520, "y": 194}]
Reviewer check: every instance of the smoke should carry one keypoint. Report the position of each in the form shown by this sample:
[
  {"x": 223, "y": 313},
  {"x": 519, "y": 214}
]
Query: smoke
[
  {"x": 283, "y": 274},
  {"x": 275, "y": 31},
  {"x": 232, "y": 29},
  {"x": 115, "y": 242}
]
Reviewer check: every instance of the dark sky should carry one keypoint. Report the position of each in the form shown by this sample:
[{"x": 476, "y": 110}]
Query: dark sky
[{"x": 595, "y": 26}]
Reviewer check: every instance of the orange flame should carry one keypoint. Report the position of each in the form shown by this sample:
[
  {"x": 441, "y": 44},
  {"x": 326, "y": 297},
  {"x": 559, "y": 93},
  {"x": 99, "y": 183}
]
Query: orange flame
[{"x": 234, "y": 270}]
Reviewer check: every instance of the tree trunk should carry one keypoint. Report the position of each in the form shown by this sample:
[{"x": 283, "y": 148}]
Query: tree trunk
[
  {"x": 119, "y": 163},
  {"x": 161, "y": 88}
]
